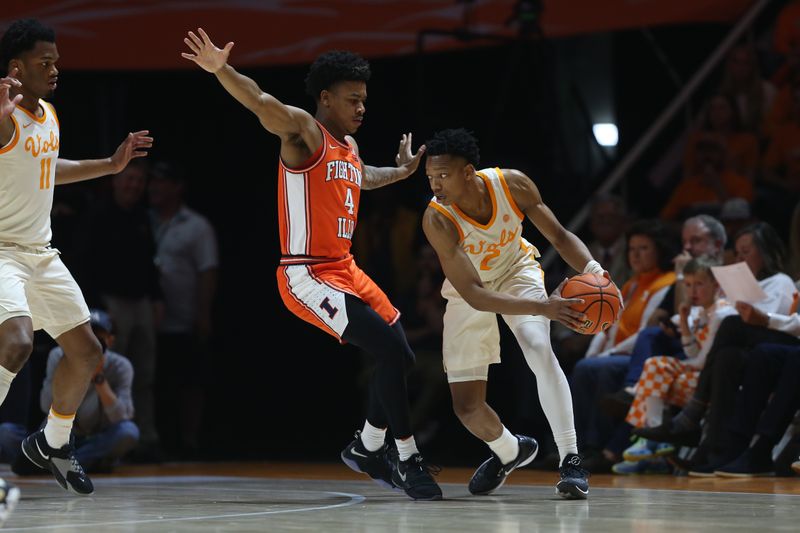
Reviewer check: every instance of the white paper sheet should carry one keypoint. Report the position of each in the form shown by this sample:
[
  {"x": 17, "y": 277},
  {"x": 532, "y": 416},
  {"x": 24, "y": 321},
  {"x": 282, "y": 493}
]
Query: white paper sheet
[{"x": 738, "y": 283}]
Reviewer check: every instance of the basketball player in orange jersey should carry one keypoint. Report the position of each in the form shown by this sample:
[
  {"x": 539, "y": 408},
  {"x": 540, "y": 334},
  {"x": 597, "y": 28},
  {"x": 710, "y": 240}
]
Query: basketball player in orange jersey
[
  {"x": 36, "y": 289},
  {"x": 320, "y": 177},
  {"x": 474, "y": 222}
]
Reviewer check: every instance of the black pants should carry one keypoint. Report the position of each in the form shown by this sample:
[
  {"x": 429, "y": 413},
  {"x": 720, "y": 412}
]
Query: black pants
[
  {"x": 388, "y": 396},
  {"x": 722, "y": 374},
  {"x": 769, "y": 395}
]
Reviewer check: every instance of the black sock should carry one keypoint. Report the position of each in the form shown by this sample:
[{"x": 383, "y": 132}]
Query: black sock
[{"x": 690, "y": 416}]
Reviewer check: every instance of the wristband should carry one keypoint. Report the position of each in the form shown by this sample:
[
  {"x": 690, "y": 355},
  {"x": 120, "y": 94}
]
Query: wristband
[{"x": 593, "y": 267}]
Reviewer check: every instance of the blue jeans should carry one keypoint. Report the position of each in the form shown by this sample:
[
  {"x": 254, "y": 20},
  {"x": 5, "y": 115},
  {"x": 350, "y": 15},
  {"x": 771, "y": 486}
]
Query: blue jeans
[
  {"x": 590, "y": 380},
  {"x": 651, "y": 341},
  {"x": 11, "y": 437},
  {"x": 111, "y": 444}
]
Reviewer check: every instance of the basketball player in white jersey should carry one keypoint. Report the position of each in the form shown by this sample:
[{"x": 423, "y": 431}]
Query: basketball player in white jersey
[
  {"x": 474, "y": 222},
  {"x": 36, "y": 289}
]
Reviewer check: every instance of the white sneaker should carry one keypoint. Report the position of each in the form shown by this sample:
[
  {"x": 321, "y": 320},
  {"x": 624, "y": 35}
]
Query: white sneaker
[{"x": 9, "y": 496}]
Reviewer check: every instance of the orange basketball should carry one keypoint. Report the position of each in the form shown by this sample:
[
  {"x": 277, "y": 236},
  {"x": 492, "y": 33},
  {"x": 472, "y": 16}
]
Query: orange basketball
[{"x": 600, "y": 301}]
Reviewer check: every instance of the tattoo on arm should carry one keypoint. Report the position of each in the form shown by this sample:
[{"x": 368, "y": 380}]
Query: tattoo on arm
[{"x": 376, "y": 177}]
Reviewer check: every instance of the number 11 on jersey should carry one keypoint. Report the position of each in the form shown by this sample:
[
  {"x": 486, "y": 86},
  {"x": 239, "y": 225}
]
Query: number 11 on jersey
[{"x": 44, "y": 175}]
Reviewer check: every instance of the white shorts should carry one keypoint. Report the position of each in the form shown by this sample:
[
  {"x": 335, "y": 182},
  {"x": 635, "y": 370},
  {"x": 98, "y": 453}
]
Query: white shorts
[
  {"x": 471, "y": 337},
  {"x": 35, "y": 283}
]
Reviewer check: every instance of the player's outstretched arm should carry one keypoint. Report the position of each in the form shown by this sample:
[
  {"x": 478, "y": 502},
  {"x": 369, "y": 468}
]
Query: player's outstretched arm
[
  {"x": 407, "y": 163},
  {"x": 276, "y": 117},
  {"x": 135, "y": 145},
  {"x": 529, "y": 200},
  {"x": 7, "y": 106},
  {"x": 458, "y": 269}
]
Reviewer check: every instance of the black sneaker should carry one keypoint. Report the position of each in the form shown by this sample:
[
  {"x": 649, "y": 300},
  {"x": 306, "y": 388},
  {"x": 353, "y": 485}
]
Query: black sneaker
[
  {"x": 61, "y": 462},
  {"x": 491, "y": 475},
  {"x": 414, "y": 476},
  {"x": 748, "y": 464},
  {"x": 574, "y": 484},
  {"x": 377, "y": 464}
]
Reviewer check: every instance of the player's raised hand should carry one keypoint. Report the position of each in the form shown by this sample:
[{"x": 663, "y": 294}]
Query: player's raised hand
[
  {"x": 205, "y": 53},
  {"x": 135, "y": 145},
  {"x": 8, "y": 104},
  {"x": 404, "y": 158}
]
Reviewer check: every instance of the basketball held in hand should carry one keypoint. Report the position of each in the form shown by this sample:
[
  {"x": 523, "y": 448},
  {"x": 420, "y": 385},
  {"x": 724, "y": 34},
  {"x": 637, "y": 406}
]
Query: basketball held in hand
[{"x": 600, "y": 297}]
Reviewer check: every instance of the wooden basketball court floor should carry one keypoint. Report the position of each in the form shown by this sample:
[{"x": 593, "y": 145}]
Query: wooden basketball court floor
[{"x": 206, "y": 497}]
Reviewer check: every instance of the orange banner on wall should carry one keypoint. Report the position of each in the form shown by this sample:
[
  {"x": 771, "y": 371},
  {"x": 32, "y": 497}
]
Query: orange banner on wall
[{"x": 147, "y": 34}]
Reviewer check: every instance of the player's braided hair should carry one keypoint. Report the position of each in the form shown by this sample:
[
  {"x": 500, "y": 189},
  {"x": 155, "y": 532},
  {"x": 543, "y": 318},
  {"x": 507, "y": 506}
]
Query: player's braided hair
[
  {"x": 21, "y": 37},
  {"x": 457, "y": 141},
  {"x": 335, "y": 66}
]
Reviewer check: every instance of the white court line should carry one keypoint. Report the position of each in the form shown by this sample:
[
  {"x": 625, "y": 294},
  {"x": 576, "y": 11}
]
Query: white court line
[{"x": 354, "y": 500}]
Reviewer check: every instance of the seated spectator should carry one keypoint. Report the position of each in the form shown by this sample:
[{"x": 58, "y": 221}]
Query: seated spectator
[
  {"x": 702, "y": 235},
  {"x": 710, "y": 183},
  {"x": 670, "y": 379},
  {"x": 766, "y": 403},
  {"x": 742, "y": 80},
  {"x": 651, "y": 248},
  {"x": 735, "y": 214},
  {"x": 794, "y": 245},
  {"x": 721, "y": 117},
  {"x": 787, "y": 27},
  {"x": 103, "y": 429},
  {"x": 761, "y": 249},
  {"x": 778, "y": 190}
]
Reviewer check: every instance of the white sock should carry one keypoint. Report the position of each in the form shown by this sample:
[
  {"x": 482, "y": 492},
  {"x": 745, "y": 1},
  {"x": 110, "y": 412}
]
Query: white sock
[
  {"x": 6, "y": 378},
  {"x": 58, "y": 428},
  {"x": 406, "y": 448},
  {"x": 372, "y": 438},
  {"x": 654, "y": 411},
  {"x": 505, "y": 447},
  {"x": 567, "y": 443}
]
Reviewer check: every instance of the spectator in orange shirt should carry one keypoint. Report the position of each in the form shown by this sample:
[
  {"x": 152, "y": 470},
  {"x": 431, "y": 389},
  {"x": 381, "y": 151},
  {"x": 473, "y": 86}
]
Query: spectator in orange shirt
[
  {"x": 742, "y": 80},
  {"x": 710, "y": 184},
  {"x": 779, "y": 188},
  {"x": 721, "y": 116},
  {"x": 787, "y": 27}
]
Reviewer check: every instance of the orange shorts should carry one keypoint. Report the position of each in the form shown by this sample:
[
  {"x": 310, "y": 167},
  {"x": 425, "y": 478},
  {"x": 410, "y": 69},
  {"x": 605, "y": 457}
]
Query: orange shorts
[{"x": 316, "y": 293}]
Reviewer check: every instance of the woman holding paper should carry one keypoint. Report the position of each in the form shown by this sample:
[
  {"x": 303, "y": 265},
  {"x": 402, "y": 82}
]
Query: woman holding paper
[{"x": 761, "y": 249}]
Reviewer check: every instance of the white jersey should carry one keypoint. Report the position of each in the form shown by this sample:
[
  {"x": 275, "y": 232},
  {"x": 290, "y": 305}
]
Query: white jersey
[
  {"x": 496, "y": 246},
  {"x": 27, "y": 177}
]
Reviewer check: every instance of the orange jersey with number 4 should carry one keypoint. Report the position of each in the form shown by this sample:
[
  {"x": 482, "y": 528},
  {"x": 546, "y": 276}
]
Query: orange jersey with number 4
[{"x": 318, "y": 204}]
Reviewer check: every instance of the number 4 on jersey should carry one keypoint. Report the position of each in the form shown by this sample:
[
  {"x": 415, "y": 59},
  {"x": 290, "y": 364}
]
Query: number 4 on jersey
[{"x": 348, "y": 201}]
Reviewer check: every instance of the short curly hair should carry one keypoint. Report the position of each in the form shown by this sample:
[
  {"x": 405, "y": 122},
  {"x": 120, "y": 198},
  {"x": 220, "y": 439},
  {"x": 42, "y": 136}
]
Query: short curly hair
[
  {"x": 666, "y": 241},
  {"x": 456, "y": 141},
  {"x": 333, "y": 67},
  {"x": 22, "y": 36}
]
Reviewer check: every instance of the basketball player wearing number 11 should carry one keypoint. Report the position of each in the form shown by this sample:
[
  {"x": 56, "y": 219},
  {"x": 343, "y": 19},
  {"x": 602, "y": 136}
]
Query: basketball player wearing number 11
[
  {"x": 474, "y": 222},
  {"x": 320, "y": 177},
  {"x": 36, "y": 289}
]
